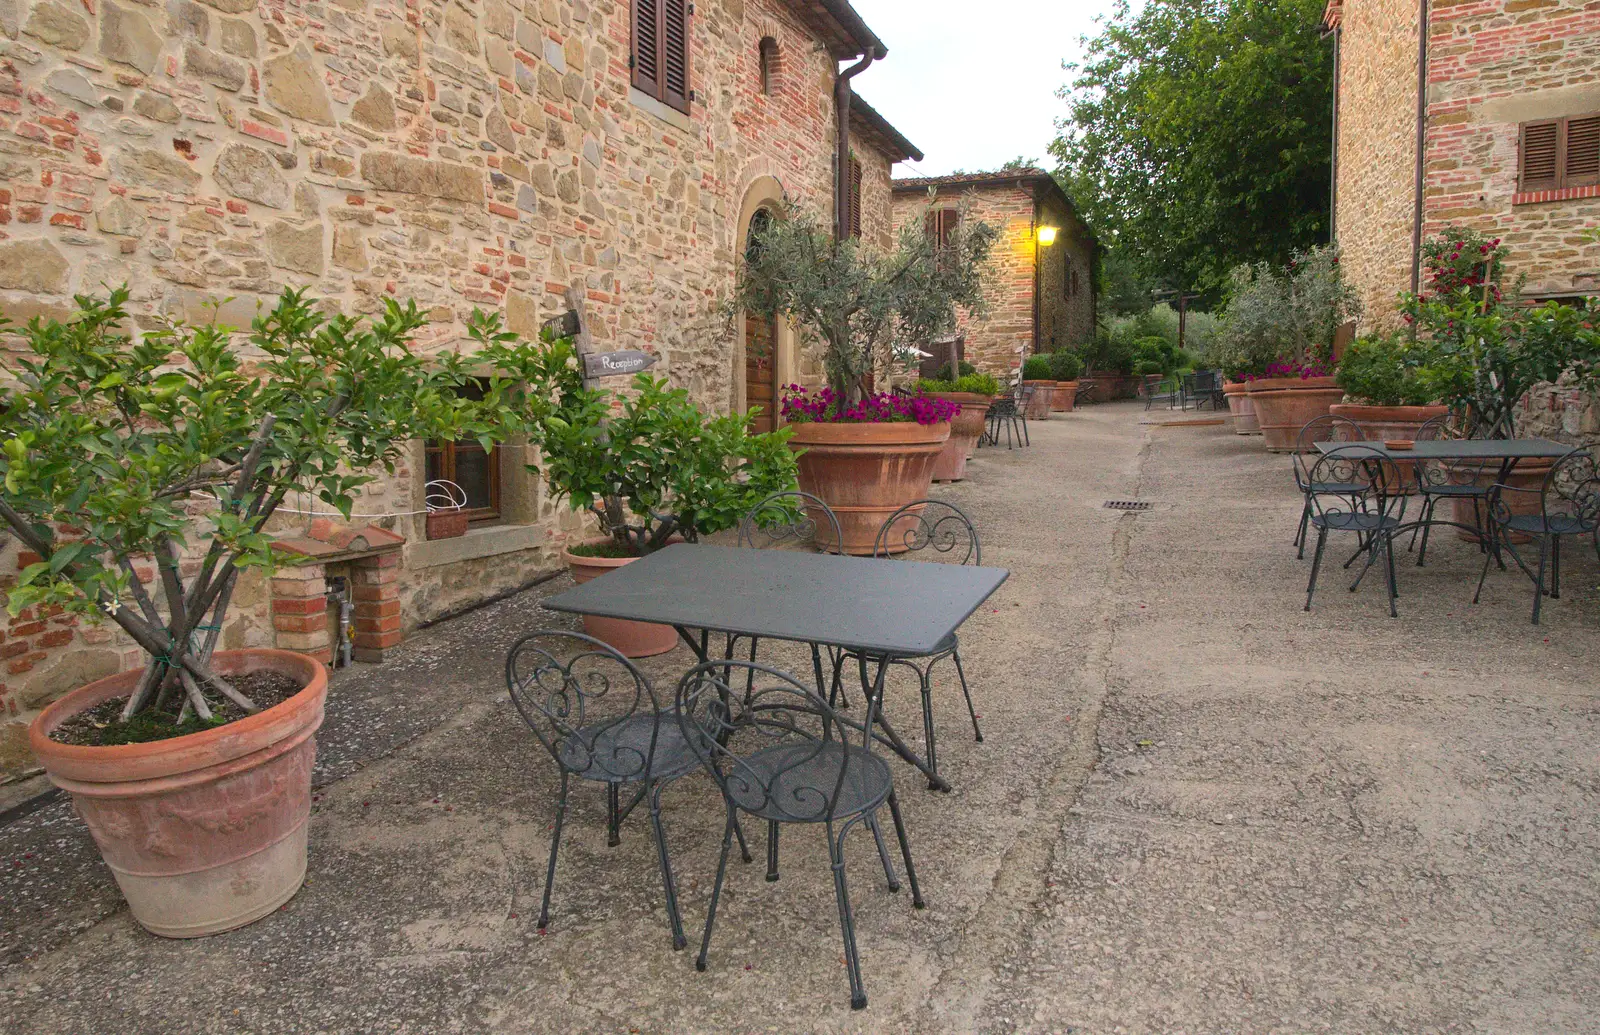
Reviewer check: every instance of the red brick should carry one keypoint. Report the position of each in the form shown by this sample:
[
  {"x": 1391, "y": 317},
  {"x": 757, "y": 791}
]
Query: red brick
[
  {"x": 12, "y": 649},
  {"x": 58, "y": 638},
  {"x": 28, "y": 629},
  {"x": 377, "y": 625},
  {"x": 300, "y": 605},
  {"x": 300, "y": 623},
  {"x": 366, "y": 609},
  {"x": 256, "y": 129},
  {"x": 23, "y": 664}
]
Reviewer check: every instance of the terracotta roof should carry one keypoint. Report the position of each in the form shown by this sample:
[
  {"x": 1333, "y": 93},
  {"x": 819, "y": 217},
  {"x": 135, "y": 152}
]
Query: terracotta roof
[
  {"x": 1027, "y": 176},
  {"x": 876, "y": 130},
  {"x": 840, "y": 28}
]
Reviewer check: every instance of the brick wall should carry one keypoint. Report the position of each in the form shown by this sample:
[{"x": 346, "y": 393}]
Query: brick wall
[
  {"x": 475, "y": 153},
  {"x": 1065, "y": 319}
]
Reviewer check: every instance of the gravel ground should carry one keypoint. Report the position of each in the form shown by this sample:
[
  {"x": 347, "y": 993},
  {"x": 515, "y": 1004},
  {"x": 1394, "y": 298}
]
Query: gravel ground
[{"x": 1197, "y": 809}]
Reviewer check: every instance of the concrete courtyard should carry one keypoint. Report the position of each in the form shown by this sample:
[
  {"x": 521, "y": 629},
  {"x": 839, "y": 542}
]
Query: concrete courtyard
[{"x": 1197, "y": 809}]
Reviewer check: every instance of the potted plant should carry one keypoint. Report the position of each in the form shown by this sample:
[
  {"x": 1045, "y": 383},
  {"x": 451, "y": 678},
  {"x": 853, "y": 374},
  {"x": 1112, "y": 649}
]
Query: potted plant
[
  {"x": 1065, "y": 366},
  {"x": 973, "y": 393},
  {"x": 864, "y": 454},
  {"x": 1381, "y": 376},
  {"x": 1037, "y": 372},
  {"x": 650, "y": 466},
  {"x": 1276, "y": 334},
  {"x": 166, "y": 455}
]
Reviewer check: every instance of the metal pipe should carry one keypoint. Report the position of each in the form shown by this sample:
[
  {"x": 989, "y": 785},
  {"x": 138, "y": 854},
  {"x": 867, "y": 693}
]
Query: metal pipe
[
  {"x": 841, "y": 158},
  {"x": 1333, "y": 179},
  {"x": 1422, "y": 144}
]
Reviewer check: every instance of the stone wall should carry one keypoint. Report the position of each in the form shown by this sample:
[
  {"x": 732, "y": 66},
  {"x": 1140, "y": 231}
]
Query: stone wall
[
  {"x": 469, "y": 153},
  {"x": 1065, "y": 319}
]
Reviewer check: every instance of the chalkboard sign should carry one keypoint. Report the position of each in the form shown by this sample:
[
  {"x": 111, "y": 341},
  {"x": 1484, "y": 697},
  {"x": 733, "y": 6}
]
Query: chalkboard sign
[{"x": 614, "y": 364}]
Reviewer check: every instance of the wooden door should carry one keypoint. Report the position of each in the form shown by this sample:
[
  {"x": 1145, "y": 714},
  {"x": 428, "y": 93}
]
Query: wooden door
[{"x": 760, "y": 378}]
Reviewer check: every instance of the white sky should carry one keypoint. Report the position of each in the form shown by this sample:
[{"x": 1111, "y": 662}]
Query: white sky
[{"x": 973, "y": 84}]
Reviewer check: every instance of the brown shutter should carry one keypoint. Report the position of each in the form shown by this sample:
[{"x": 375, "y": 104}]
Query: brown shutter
[
  {"x": 675, "y": 53},
  {"x": 647, "y": 46},
  {"x": 855, "y": 198},
  {"x": 1582, "y": 165},
  {"x": 1541, "y": 168}
]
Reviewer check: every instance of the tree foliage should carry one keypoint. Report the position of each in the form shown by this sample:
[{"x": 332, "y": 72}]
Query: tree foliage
[{"x": 1199, "y": 135}]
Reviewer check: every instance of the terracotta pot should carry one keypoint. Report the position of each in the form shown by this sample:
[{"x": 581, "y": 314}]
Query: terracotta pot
[
  {"x": 1528, "y": 474},
  {"x": 1283, "y": 411},
  {"x": 1039, "y": 403},
  {"x": 1242, "y": 407},
  {"x": 630, "y": 639},
  {"x": 446, "y": 524},
  {"x": 1104, "y": 381},
  {"x": 1063, "y": 398},
  {"x": 1382, "y": 423},
  {"x": 965, "y": 427},
  {"x": 865, "y": 472},
  {"x": 206, "y": 832}
]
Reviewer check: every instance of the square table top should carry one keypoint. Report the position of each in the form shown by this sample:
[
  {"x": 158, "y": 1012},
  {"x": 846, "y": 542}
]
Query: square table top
[
  {"x": 1465, "y": 449},
  {"x": 886, "y": 606}
]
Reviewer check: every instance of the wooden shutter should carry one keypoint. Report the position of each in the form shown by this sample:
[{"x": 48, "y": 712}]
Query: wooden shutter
[
  {"x": 1581, "y": 167},
  {"x": 647, "y": 46},
  {"x": 1540, "y": 158},
  {"x": 675, "y": 53},
  {"x": 855, "y": 197}
]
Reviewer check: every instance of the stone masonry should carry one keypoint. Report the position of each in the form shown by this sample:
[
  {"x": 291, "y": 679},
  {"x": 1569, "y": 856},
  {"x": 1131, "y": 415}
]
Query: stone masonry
[{"x": 465, "y": 153}]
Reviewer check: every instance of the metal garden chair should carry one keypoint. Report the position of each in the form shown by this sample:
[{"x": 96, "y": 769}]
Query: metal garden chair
[
  {"x": 1356, "y": 489},
  {"x": 1326, "y": 428},
  {"x": 1201, "y": 387},
  {"x": 781, "y": 753},
  {"x": 1569, "y": 504},
  {"x": 1008, "y": 412},
  {"x": 1446, "y": 481},
  {"x": 1167, "y": 390},
  {"x": 598, "y": 717}
]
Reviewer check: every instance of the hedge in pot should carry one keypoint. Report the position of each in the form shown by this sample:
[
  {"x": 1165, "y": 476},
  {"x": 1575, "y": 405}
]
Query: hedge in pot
[
  {"x": 1389, "y": 401},
  {"x": 1065, "y": 366},
  {"x": 1038, "y": 373},
  {"x": 862, "y": 454},
  {"x": 973, "y": 393},
  {"x": 120, "y": 453},
  {"x": 653, "y": 468}
]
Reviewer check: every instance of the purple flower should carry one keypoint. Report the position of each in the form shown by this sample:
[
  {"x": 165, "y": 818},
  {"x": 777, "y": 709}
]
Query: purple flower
[{"x": 825, "y": 407}]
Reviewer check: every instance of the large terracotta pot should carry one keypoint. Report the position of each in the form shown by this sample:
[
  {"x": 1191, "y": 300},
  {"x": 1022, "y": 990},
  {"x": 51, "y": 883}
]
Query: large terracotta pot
[
  {"x": 1284, "y": 405},
  {"x": 1039, "y": 402},
  {"x": 1104, "y": 382},
  {"x": 1388, "y": 423},
  {"x": 1528, "y": 474},
  {"x": 965, "y": 427},
  {"x": 1242, "y": 407},
  {"x": 865, "y": 472},
  {"x": 631, "y": 639},
  {"x": 206, "y": 832},
  {"x": 1063, "y": 398}
]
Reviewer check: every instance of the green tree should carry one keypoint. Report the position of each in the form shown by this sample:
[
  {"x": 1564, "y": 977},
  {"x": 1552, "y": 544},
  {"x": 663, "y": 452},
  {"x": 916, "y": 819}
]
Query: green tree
[{"x": 1199, "y": 135}]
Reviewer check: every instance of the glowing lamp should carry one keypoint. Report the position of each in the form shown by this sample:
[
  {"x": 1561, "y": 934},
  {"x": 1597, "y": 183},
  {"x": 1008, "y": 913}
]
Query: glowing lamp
[{"x": 1047, "y": 235}]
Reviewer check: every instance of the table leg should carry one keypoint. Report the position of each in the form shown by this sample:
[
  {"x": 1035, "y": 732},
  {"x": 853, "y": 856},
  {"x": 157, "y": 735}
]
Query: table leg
[
  {"x": 874, "y": 693},
  {"x": 701, "y": 649}
]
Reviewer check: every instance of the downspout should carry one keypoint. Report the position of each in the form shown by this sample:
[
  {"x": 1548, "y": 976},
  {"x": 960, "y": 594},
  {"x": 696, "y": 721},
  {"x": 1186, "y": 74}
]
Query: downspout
[
  {"x": 841, "y": 158},
  {"x": 1333, "y": 184},
  {"x": 1422, "y": 145},
  {"x": 1038, "y": 214}
]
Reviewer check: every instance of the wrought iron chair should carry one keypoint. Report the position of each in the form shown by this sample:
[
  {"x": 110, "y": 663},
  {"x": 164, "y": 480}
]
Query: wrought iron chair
[
  {"x": 1201, "y": 387},
  {"x": 1446, "y": 481},
  {"x": 781, "y": 753},
  {"x": 1168, "y": 390},
  {"x": 1357, "y": 489},
  {"x": 1569, "y": 504},
  {"x": 946, "y": 535},
  {"x": 1008, "y": 412},
  {"x": 1326, "y": 428},
  {"x": 598, "y": 717}
]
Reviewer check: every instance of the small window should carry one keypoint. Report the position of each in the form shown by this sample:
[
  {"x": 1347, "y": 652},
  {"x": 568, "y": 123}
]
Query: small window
[
  {"x": 941, "y": 227},
  {"x": 769, "y": 64},
  {"x": 855, "y": 197},
  {"x": 1558, "y": 153},
  {"x": 660, "y": 55},
  {"x": 469, "y": 465}
]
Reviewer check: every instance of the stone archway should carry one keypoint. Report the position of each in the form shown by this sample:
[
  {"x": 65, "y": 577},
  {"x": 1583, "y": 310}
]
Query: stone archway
[{"x": 764, "y": 355}]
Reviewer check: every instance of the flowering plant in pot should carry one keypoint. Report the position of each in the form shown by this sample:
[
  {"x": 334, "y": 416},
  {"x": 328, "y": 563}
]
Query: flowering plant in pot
[
  {"x": 972, "y": 394},
  {"x": 165, "y": 454},
  {"x": 652, "y": 468},
  {"x": 1065, "y": 366},
  {"x": 865, "y": 463}
]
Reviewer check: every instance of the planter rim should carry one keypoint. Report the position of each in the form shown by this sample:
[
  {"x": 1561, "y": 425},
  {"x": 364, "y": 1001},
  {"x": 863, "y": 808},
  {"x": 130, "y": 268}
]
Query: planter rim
[
  {"x": 1307, "y": 391},
  {"x": 1235, "y": 387},
  {"x": 158, "y": 758},
  {"x": 571, "y": 558},
  {"x": 1364, "y": 411},
  {"x": 1278, "y": 384},
  {"x": 889, "y": 433},
  {"x": 1039, "y": 381},
  {"x": 964, "y": 398}
]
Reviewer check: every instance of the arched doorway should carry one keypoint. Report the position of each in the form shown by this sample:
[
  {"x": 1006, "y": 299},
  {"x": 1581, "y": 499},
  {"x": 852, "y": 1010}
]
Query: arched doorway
[{"x": 760, "y": 344}]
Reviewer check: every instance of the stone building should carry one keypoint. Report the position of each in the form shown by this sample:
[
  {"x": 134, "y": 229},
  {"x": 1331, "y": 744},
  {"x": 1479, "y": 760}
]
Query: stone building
[
  {"x": 1043, "y": 294},
  {"x": 1508, "y": 114},
  {"x": 504, "y": 154}
]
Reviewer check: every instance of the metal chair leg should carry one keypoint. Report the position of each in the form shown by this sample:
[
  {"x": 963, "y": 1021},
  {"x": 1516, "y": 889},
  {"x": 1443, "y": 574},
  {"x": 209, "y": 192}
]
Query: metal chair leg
[
  {"x": 716, "y": 892},
  {"x": 1394, "y": 587},
  {"x": 744, "y": 849},
  {"x": 977, "y": 734},
  {"x": 1488, "y": 559},
  {"x": 1538, "y": 583},
  {"x": 673, "y": 917},
  {"x": 1427, "y": 529},
  {"x": 847, "y": 923},
  {"x": 772, "y": 850},
  {"x": 927, "y": 724},
  {"x": 1555, "y": 567},
  {"x": 1300, "y": 534},
  {"x": 905, "y": 851},
  {"x": 883, "y": 852},
  {"x": 555, "y": 844},
  {"x": 1316, "y": 565},
  {"x": 613, "y": 815}
]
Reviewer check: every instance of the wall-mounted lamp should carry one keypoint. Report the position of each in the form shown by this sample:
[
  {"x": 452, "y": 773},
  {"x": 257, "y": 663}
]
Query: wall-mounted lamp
[{"x": 1047, "y": 235}]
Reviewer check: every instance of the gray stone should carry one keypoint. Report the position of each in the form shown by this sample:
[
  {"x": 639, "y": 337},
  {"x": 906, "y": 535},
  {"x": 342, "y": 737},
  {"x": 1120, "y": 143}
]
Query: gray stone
[
  {"x": 187, "y": 18},
  {"x": 527, "y": 200},
  {"x": 305, "y": 200},
  {"x": 591, "y": 152},
  {"x": 238, "y": 38},
  {"x": 10, "y": 19},
  {"x": 252, "y": 174},
  {"x": 386, "y": 170},
  {"x": 231, "y": 6},
  {"x": 460, "y": 30},
  {"x": 297, "y": 248},
  {"x": 126, "y": 37},
  {"x": 33, "y": 265},
  {"x": 522, "y": 315},
  {"x": 498, "y": 18},
  {"x": 293, "y": 84},
  {"x": 567, "y": 188},
  {"x": 498, "y": 129},
  {"x": 70, "y": 84},
  {"x": 375, "y": 109},
  {"x": 556, "y": 56},
  {"x": 119, "y": 216},
  {"x": 544, "y": 179},
  {"x": 214, "y": 68},
  {"x": 155, "y": 106},
  {"x": 525, "y": 78},
  {"x": 349, "y": 250},
  {"x": 399, "y": 40},
  {"x": 143, "y": 167},
  {"x": 58, "y": 25}
]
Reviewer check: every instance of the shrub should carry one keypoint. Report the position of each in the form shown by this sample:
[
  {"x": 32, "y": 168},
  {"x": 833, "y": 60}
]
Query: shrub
[
  {"x": 1384, "y": 371},
  {"x": 977, "y": 384},
  {"x": 1288, "y": 314},
  {"x": 944, "y": 373},
  {"x": 1065, "y": 365},
  {"x": 1037, "y": 368}
]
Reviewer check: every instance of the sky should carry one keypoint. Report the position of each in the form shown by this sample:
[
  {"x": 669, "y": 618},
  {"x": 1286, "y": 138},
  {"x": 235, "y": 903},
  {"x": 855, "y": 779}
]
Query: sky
[{"x": 973, "y": 85}]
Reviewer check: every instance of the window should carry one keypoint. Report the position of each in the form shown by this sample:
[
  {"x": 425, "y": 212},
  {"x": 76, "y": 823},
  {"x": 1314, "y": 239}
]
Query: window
[
  {"x": 660, "y": 58},
  {"x": 470, "y": 466},
  {"x": 1559, "y": 153},
  {"x": 941, "y": 227},
  {"x": 855, "y": 197},
  {"x": 1070, "y": 284},
  {"x": 769, "y": 64}
]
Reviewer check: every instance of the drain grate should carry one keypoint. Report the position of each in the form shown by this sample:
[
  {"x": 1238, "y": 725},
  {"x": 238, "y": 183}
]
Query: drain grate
[{"x": 1128, "y": 504}]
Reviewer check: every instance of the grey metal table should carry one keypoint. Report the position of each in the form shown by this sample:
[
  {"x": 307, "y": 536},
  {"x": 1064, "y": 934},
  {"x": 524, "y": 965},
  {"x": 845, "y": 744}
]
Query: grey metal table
[{"x": 880, "y": 607}]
